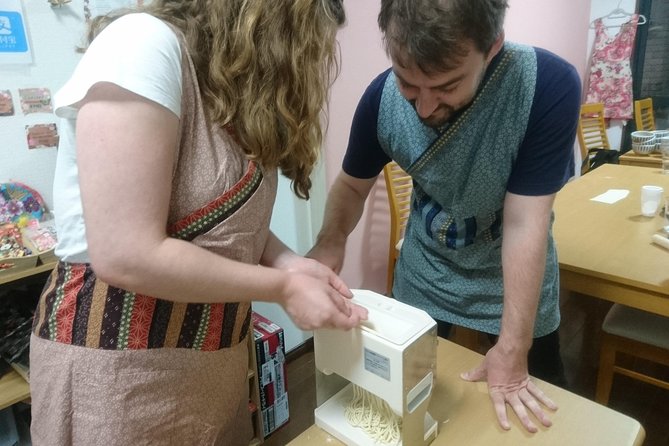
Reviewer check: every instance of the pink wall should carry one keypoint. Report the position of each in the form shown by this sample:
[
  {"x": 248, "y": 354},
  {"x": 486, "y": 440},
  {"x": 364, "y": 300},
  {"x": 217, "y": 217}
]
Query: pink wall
[{"x": 560, "y": 26}]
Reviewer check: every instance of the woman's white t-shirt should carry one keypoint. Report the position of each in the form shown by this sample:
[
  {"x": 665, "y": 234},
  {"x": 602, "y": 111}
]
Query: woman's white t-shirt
[{"x": 137, "y": 52}]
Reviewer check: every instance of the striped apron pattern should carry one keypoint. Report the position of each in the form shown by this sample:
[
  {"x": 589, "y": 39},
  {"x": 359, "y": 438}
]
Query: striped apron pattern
[
  {"x": 79, "y": 309},
  {"x": 113, "y": 367}
]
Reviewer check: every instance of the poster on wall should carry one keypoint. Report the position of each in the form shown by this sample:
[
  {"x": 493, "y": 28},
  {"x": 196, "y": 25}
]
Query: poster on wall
[
  {"x": 35, "y": 100},
  {"x": 42, "y": 136},
  {"x": 14, "y": 45},
  {"x": 6, "y": 103}
]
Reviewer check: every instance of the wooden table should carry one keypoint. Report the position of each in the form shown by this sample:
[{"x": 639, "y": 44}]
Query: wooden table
[
  {"x": 13, "y": 388},
  {"x": 632, "y": 159},
  {"x": 605, "y": 250},
  {"x": 466, "y": 416}
]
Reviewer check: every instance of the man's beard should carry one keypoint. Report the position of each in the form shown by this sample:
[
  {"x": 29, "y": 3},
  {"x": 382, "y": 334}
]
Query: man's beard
[
  {"x": 438, "y": 119},
  {"x": 445, "y": 112}
]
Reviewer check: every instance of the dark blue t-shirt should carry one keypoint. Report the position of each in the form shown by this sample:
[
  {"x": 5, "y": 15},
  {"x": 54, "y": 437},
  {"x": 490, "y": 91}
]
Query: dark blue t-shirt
[{"x": 545, "y": 159}]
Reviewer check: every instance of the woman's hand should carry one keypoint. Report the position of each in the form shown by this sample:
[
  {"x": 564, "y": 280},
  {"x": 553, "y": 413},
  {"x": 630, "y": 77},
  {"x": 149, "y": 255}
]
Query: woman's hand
[{"x": 315, "y": 297}]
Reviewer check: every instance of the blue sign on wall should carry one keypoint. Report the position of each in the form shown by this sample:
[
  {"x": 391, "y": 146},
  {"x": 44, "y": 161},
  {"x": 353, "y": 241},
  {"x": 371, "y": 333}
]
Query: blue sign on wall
[{"x": 12, "y": 34}]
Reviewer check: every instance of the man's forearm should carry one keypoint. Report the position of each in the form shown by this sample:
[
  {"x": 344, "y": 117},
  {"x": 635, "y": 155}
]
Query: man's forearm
[
  {"x": 523, "y": 268},
  {"x": 344, "y": 208},
  {"x": 346, "y": 201},
  {"x": 523, "y": 263}
]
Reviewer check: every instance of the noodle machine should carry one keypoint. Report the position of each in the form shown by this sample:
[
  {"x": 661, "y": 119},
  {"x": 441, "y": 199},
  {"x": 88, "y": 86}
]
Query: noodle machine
[{"x": 392, "y": 355}]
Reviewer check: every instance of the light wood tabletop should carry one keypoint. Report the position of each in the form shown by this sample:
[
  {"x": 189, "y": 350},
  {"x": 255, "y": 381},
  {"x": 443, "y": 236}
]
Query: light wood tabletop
[
  {"x": 605, "y": 250},
  {"x": 466, "y": 416}
]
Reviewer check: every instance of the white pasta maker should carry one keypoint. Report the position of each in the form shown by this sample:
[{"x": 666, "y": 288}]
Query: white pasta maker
[{"x": 392, "y": 355}]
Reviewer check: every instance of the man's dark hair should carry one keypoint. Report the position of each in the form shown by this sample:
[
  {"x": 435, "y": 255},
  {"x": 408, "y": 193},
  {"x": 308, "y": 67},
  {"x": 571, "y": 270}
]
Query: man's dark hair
[{"x": 433, "y": 34}]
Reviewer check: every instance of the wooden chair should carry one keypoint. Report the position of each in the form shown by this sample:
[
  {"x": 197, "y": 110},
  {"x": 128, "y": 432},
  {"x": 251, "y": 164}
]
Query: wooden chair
[
  {"x": 644, "y": 118},
  {"x": 638, "y": 334},
  {"x": 399, "y": 187},
  {"x": 591, "y": 132}
]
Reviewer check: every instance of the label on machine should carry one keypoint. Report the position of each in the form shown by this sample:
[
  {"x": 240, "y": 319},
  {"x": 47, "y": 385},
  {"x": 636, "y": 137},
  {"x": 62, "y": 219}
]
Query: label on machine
[{"x": 377, "y": 364}]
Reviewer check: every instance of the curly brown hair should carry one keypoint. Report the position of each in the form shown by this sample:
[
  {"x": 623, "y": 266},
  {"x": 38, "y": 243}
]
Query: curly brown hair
[{"x": 264, "y": 69}]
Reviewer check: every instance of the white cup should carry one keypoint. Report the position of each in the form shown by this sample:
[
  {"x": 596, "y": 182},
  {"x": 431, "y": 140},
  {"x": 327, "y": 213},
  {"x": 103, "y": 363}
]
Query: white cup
[{"x": 651, "y": 197}]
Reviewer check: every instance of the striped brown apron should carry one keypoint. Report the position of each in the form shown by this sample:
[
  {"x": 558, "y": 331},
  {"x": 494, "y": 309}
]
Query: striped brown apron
[{"x": 109, "y": 366}]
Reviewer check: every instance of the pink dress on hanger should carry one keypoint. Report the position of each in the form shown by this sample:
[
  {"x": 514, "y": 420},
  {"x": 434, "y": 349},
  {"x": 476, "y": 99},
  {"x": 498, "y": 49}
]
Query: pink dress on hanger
[{"x": 610, "y": 80}]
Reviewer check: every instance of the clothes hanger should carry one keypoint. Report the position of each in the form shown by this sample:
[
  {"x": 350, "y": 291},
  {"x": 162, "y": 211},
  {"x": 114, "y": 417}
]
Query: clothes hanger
[{"x": 619, "y": 13}]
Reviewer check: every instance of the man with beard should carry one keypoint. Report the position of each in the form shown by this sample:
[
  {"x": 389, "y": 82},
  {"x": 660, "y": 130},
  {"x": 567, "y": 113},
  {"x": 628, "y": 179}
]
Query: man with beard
[{"x": 486, "y": 130}]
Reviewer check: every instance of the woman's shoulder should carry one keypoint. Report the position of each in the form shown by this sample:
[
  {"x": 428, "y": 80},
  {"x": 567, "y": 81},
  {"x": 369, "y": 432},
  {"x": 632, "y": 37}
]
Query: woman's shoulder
[
  {"x": 137, "y": 29},
  {"x": 137, "y": 52},
  {"x": 136, "y": 43}
]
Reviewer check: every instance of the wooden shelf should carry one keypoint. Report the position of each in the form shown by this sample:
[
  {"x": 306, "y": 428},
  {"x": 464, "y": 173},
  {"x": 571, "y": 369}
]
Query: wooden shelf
[
  {"x": 13, "y": 388},
  {"x": 12, "y": 276}
]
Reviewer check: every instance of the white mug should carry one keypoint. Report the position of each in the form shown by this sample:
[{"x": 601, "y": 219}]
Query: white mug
[{"x": 651, "y": 197}]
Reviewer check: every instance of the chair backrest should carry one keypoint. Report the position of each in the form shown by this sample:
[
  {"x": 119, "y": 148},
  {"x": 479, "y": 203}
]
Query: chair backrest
[
  {"x": 591, "y": 130},
  {"x": 644, "y": 118},
  {"x": 399, "y": 187}
]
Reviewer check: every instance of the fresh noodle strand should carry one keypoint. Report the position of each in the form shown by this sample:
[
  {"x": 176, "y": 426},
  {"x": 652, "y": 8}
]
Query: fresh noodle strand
[{"x": 373, "y": 415}]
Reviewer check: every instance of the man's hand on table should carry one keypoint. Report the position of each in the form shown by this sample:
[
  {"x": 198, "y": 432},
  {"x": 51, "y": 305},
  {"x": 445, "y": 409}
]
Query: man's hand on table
[{"x": 509, "y": 382}]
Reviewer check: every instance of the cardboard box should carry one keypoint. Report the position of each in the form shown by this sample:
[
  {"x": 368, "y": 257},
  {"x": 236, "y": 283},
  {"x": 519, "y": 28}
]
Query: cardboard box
[{"x": 271, "y": 359}]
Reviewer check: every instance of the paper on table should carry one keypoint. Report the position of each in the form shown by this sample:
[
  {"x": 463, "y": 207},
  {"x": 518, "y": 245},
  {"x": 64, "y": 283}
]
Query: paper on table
[{"x": 611, "y": 196}]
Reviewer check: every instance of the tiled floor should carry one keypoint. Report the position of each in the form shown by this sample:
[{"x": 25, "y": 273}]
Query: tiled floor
[{"x": 579, "y": 333}]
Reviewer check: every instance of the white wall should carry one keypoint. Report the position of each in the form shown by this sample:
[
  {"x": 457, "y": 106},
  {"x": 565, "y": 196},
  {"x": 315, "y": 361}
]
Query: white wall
[
  {"x": 53, "y": 33},
  {"x": 296, "y": 223}
]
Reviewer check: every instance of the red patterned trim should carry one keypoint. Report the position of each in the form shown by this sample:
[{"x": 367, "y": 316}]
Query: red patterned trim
[
  {"x": 213, "y": 337},
  {"x": 218, "y": 210},
  {"x": 140, "y": 322},
  {"x": 68, "y": 306}
]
